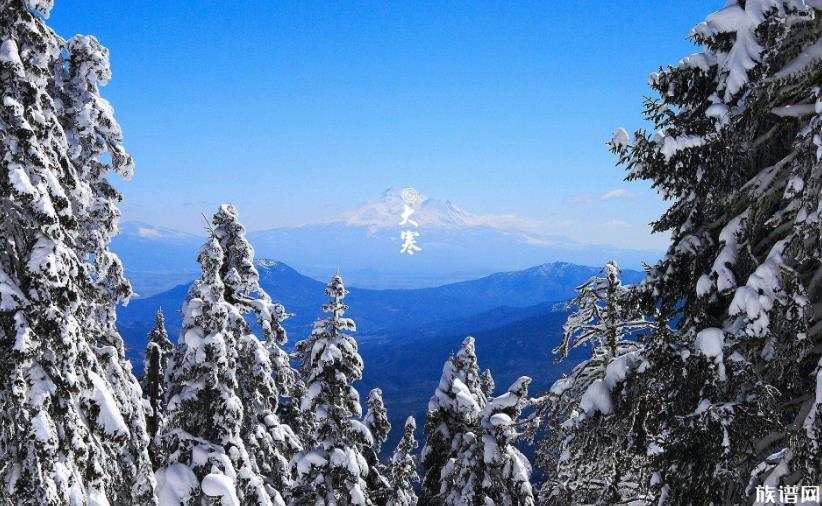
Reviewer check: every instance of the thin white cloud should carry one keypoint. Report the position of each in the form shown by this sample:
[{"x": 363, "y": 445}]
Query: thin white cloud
[
  {"x": 616, "y": 223},
  {"x": 620, "y": 193},
  {"x": 617, "y": 193},
  {"x": 149, "y": 232}
]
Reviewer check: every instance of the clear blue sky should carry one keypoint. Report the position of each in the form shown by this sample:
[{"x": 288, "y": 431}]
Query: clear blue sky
[{"x": 296, "y": 111}]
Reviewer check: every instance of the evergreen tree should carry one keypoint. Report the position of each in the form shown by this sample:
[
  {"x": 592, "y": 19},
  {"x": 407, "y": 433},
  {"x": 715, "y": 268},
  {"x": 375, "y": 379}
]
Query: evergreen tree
[
  {"x": 302, "y": 422},
  {"x": 203, "y": 452},
  {"x": 486, "y": 467},
  {"x": 731, "y": 394},
  {"x": 403, "y": 468},
  {"x": 263, "y": 373},
  {"x": 585, "y": 437},
  {"x": 376, "y": 420},
  {"x": 334, "y": 469},
  {"x": 71, "y": 420},
  {"x": 453, "y": 411},
  {"x": 487, "y": 383},
  {"x": 158, "y": 351}
]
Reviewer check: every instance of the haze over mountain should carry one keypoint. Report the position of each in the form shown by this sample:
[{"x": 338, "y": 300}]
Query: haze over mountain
[{"x": 365, "y": 243}]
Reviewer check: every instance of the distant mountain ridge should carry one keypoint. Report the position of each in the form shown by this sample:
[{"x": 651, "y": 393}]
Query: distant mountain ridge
[
  {"x": 379, "y": 314},
  {"x": 365, "y": 243}
]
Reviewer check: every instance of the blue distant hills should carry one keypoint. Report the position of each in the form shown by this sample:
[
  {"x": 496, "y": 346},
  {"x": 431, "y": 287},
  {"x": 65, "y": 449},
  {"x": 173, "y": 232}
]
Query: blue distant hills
[{"x": 405, "y": 335}]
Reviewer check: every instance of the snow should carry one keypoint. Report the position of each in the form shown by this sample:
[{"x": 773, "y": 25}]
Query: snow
[
  {"x": 500, "y": 419},
  {"x": 175, "y": 484},
  {"x": 702, "y": 61},
  {"x": 726, "y": 257},
  {"x": 704, "y": 285},
  {"x": 618, "y": 369},
  {"x": 710, "y": 342},
  {"x": 97, "y": 498},
  {"x": 672, "y": 145},
  {"x": 805, "y": 58},
  {"x": 561, "y": 385},
  {"x": 42, "y": 6},
  {"x": 810, "y": 421},
  {"x": 745, "y": 51},
  {"x": 310, "y": 459},
  {"x": 222, "y": 486},
  {"x": 109, "y": 417},
  {"x": 597, "y": 398},
  {"x": 10, "y": 294},
  {"x": 357, "y": 495},
  {"x": 620, "y": 138},
  {"x": 43, "y": 427},
  {"x": 21, "y": 181},
  {"x": 794, "y": 111},
  {"x": 9, "y": 52},
  {"x": 757, "y": 297}
]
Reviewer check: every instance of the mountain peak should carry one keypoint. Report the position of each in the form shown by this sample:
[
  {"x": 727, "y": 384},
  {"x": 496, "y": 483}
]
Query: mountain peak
[{"x": 387, "y": 211}]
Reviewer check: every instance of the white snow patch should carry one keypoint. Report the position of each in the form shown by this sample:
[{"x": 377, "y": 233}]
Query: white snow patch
[
  {"x": 710, "y": 341},
  {"x": 597, "y": 398},
  {"x": 175, "y": 484},
  {"x": 109, "y": 417},
  {"x": 220, "y": 485},
  {"x": 805, "y": 58},
  {"x": 672, "y": 145},
  {"x": 9, "y": 52},
  {"x": 43, "y": 428},
  {"x": 620, "y": 137}
]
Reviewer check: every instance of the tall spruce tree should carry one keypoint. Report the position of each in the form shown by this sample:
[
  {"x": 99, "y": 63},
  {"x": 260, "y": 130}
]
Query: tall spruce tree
[
  {"x": 72, "y": 427},
  {"x": 730, "y": 399},
  {"x": 376, "y": 421},
  {"x": 155, "y": 364},
  {"x": 403, "y": 468},
  {"x": 486, "y": 467},
  {"x": 487, "y": 383},
  {"x": 586, "y": 434},
  {"x": 334, "y": 469},
  {"x": 263, "y": 373},
  {"x": 453, "y": 412},
  {"x": 202, "y": 449}
]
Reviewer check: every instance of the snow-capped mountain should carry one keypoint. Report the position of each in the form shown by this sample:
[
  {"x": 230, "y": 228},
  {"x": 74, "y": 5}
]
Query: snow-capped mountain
[
  {"x": 366, "y": 242},
  {"x": 386, "y": 212},
  {"x": 456, "y": 244}
]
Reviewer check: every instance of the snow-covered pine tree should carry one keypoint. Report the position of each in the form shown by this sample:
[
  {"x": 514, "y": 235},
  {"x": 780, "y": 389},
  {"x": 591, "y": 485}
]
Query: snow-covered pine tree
[
  {"x": 454, "y": 410},
  {"x": 732, "y": 396},
  {"x": 587, "y": 430},
  {"x": 203, "y": 453},
  {"x": 71, "y": 417},
  {"x": 302, "y": 422},
  {"x": 334, "y": 469},
  {"x": 263, "y": 373},
  {"x": 403, "y": 468},
  {"x": 487, "y": 468},
  {"x": 487, "y": 383},
  {"x": 376, "y": 420},
  {"x": 158, "y": 352}
]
